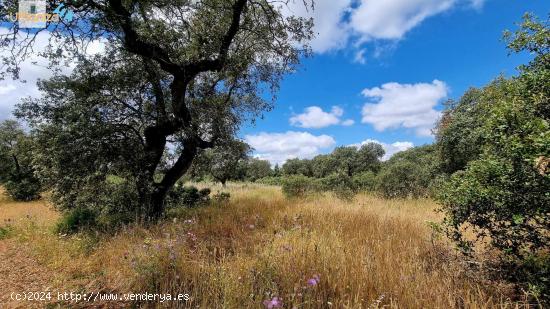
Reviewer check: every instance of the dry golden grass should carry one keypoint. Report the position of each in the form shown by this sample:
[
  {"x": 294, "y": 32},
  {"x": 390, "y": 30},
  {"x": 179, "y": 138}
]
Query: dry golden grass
[
  {"x": 13, "y": 212},
  {"x": 370, "y": 253}
]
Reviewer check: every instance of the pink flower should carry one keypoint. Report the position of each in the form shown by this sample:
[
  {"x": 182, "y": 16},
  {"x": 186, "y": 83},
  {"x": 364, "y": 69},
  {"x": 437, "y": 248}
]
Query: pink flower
[
  {"x": 314, "y": 281},
  {"x": 275, "y": 302}
]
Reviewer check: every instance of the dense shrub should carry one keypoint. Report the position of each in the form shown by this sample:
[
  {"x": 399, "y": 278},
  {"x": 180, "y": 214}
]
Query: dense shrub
[
  {"x": 365, "y": 181},
  {"x": 340, "y": 184},
  {"x": 401, "y": 180},
  {"x": 23, "y": 187},
  {"x": 16, "y": 168},
  {"x": 271, "y": 181},
  {"x": 222, "y": 197},
  {"x": 298, "y": 186},
  {"x": 503, "y": 194},
  {"x": 408, "y": 174},
  {"x": 101, "y": 206},
  {"x": 188, "y": 196},
  {"x": 76, "y": 220}
]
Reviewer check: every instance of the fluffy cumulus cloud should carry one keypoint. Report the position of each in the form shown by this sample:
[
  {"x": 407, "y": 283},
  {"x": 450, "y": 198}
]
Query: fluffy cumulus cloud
[
  {"x": 409, "y": 106},
  {"x": 390, "y": 149},
  {"x": 391, "y": 19},
  {"x": 314, "y": 117},
  {"x": 279, "y": 147},
  {"x": 32, "y": 69},
  {"x": 343, "y": 23}
]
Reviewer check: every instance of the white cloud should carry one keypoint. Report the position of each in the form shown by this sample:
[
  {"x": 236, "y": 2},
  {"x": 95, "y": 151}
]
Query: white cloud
[
  {"x": 348, "y": 122},
  {"x": 390, "y": 149},
  {"x": 477, "y": 4},
  {"x": 330, "y": 29},
  {"x": 391, "y": 19},
  {"x": 32, "y": 69},
  {"x": 343, "y": 23},
  {"x": 360, "y": 56},
  {"x": 410, "y": 106},
  {"x": 279, "y": 147},
  {"x": 314, "y": 117},
  {"x": 4, "y": 89}
]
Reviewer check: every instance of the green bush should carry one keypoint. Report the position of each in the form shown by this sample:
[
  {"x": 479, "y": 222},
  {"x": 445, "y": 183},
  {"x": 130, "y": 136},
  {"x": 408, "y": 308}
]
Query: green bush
[
  {"x": 298, "y": 186},
  {"x": 502, "y": 195},
  {"x": 340, "y": 184},
  {"x": 101, "y": 206},
  {"x": 76, "y": 220},
  {"x": 222, "y": 197},
  {"x": 403, "y": 179},
  {"x": 365, "y": 181},
  {"x": 271, "y": 181},
  {"x": 24, "y": 187},
  {"x": 5, "y": 232},
  {"x": 187, "y": 196}
]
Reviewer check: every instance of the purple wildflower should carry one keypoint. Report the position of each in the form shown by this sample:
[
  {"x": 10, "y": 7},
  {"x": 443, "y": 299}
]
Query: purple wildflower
[
  {"x": 275, "y": 302},
  {"x": 314, "y": 281}
]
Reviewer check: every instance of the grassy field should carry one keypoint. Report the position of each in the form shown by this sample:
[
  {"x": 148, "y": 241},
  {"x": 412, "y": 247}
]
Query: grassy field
[{"x": 314, "y": 253}]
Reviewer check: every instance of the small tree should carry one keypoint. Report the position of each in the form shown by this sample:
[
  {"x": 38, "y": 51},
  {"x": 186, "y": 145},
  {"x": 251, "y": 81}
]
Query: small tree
[
  {"x": 224, "y": 161},
  {"x": 409, "y": 173},
  {"x": 16, "y": 171},
  {"x": 258, "y": 169},
  {"x": 297, "y": 167}
]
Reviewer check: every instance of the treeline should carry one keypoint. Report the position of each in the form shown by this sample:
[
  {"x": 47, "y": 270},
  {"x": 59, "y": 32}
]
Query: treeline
[{"x": 346, "y": 171}]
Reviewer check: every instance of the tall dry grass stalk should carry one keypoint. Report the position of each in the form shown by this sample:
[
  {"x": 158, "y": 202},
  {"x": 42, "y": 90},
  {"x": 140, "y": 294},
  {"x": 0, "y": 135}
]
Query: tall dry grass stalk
[{"x": 314, "y": 253}]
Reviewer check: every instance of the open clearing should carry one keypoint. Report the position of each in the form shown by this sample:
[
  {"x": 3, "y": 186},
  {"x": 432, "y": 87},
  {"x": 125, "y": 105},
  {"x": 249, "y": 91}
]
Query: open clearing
[{"x": 367, "y": 253}]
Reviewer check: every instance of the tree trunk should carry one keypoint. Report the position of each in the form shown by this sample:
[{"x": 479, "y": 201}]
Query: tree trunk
[
  {"x": 17, "y": 166},
  {"x": 158, "y": 196}
]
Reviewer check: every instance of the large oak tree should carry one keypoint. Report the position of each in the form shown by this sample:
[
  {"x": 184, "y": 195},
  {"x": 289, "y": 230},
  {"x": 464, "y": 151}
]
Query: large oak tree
[{"x": 177, "y": 76}]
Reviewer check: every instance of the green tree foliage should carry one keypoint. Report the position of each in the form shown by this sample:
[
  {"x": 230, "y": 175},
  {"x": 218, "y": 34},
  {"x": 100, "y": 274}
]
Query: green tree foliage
[
  {"x": 16, "y": 170},
  {"x": 340, "y": 184},
  {"x": 184, "y": 74},
  {"x": 297, "y": 186},
  {"x": 223, "y": 162},
  {"x": 503, "y": 194},
  {"x": 348, "y": 160},
  {"x": 458, "y": 137},
  {"x": 277, "y": 171},
  {"x": 297, "y": 167},
  {"x": 408, "y": 173},
  {"x": 322, "y": 166},
  {"x": 257, "y": 169}
]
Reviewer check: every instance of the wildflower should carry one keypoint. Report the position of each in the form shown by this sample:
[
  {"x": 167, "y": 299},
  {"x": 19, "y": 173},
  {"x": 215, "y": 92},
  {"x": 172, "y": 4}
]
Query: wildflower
[
  {"x": 275, "y": 302},
  {"x": 192, "y": 236},
  {"x": 314, "y": 281}
]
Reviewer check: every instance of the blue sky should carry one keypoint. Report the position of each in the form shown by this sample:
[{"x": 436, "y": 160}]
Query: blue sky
[
  {"x": 460, "y": 46},
  {"x": 380, "y": 71}
]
